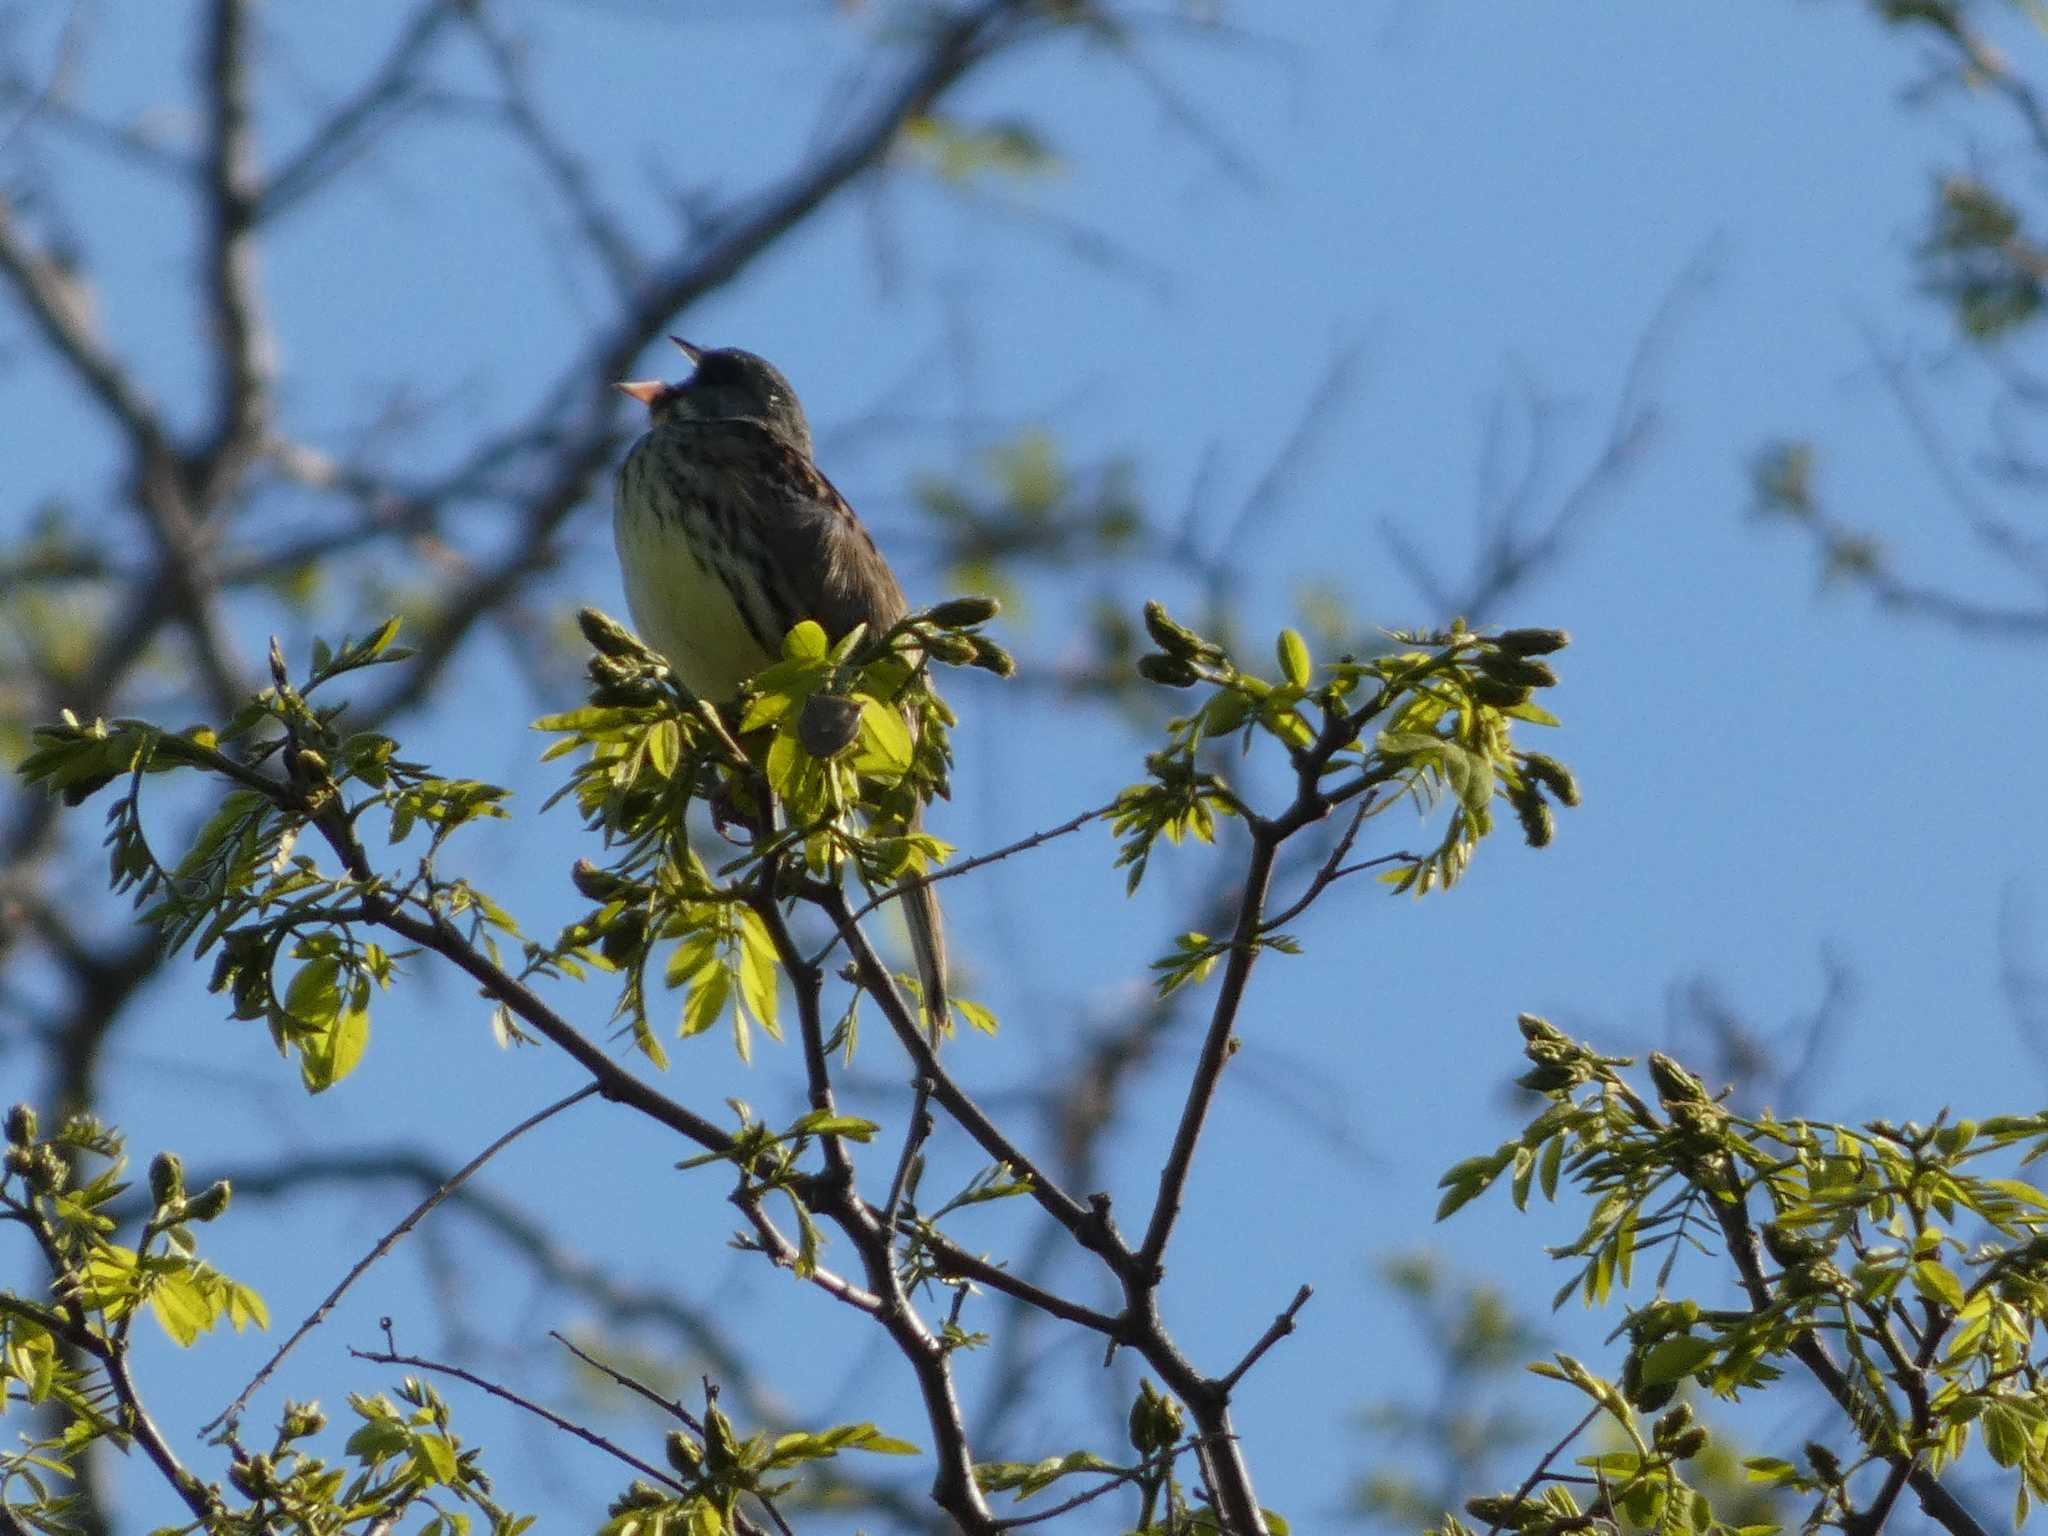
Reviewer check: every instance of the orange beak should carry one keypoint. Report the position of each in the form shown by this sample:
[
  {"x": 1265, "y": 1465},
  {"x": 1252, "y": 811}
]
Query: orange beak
[
  {"x": 694, "y": 353},
  {"x": 646, "y": 391}
]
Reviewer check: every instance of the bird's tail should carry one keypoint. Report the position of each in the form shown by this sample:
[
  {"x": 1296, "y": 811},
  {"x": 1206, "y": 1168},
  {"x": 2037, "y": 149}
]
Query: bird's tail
[{"x": 928, "y": 945}]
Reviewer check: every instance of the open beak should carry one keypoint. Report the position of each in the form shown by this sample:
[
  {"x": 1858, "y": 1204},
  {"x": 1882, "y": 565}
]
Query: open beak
[
  {"x": 694, "y": 353},
  {"x": 646, "y": 391}
]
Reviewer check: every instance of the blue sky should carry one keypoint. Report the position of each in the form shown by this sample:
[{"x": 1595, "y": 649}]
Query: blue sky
[{"x": 1771, "y": 774}]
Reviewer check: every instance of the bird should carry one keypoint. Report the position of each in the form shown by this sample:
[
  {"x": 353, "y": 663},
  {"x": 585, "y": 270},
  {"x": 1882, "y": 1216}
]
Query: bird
[{"x": 728, "y": 536}]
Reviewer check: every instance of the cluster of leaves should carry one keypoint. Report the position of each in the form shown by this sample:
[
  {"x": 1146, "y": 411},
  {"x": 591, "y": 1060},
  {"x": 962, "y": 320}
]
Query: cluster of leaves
[
  {"x": 244, "y": 887},
  {"x": 1430, "y": 720},
  {"x": 712, "y": 1469},
  {"x": 847, "y": 738},
  {"x": 1158, "y": 1433},
  {"x": 1844, "y": 1242},
  {"x": 69, "y": 1352},
  {"x": 1981, "y": 261}
]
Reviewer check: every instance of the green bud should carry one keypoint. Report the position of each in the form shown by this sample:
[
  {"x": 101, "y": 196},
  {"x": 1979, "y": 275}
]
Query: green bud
[
  {"x": 18, "y": 1160},
  {"x": 312, "y": 766},
  {"x": 608, "y": 637},
  {"x": 1826, "y": 1466},
  {"x": 1538, "y": 824},
  {"x": 953, "y": 650},
  {"x": 1553, "y": 776},
  {"x": 1177, "y": 639},
  {"x": 1496, "y": 694},
  {"x": 683, "y": 1453},
  {"x": 210, "y": 1203},
  {"x": 1673, "y": 1422},
  {"x": 623, "y": 936},
  {"x": 962, "y": 612},
  {"x": 21, "y": 1125},
  {"x": 1674, "y": 1084},
  {"x": 1516, "y": 671},
  {"x": 721, "y": 1449},
  {"x": 991, "y": 657},
  {"x": 1505, "y": 1510},
  {"x": 1546, "y": 1079},
  {"x": 253, "y": 1476},
  {"x": 595, "y": 883},
  {"x": 1532, "y": 642},
  {"x": 1171, "y": 671},
  {"x": 1155, "y": 1420},
  {"x": 639, "y": 1494},
  {"x": 166, "y": 1178},
  {"x": 828, "y": 724},
  {"x": 302, "y": 1420},
  {"x": 1691, "y": 1443},
  {"x": 633, "y": 693},
  {"x": 1537, "y": 1029},
  {"x": 1644, "y": 1399}
]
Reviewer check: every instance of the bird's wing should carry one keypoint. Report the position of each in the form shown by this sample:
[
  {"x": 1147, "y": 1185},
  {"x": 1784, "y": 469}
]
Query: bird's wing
[{"x": 826, "y": 563}]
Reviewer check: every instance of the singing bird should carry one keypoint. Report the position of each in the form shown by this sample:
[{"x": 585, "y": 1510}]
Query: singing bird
[{"x": 728, "y": 536}]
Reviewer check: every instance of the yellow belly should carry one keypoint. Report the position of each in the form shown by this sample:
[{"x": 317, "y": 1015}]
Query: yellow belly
[{"x": 681, "y": 609}]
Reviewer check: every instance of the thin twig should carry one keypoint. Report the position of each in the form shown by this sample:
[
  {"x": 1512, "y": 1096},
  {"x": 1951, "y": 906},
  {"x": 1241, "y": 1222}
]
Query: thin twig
[
  {"x": 933, "y": 877},
  {"x": 505, "y": 1394},
  {"x": 385, "y": 1244},
  {"x": 1281, "y": 1327}
]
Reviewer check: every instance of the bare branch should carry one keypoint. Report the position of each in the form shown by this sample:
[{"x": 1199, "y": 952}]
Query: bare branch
[
  {"x": 385, "y": 1244},
  {"x": 337, "y": 140}
]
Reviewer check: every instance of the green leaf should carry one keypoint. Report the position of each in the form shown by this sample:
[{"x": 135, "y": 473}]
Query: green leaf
[
  {"x": 705, "y": 1004},
  {"x": 329, "y": 1055},
  {"x": 885, "y": 744},
  {"x": 1675, "y": 1358},
  {"x": 1295, "y": 665},
  {"x": 182, "y": 1308},
  {"x": 806, "y": 642},
  {"x": 1937, "y": 1282}
]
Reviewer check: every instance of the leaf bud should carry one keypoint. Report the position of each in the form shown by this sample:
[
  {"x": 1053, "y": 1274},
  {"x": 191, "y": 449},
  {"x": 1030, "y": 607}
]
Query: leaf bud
[
  {"x": 954, "y": 650},
  {"x": 1644, "y": 1398},
  {"x": 1674, "y": 1084},
  {"x": 991, "y": 657},
  {"x": 1539, "y": 825},
  {"x": 21, "y": 1125},
  {"x": 1536, "y": 1029},
  {"x": 1171, "y": 671},
  {"x": 608, "y": 637},
  {"x": 1516, "y": 671},
  {"x": 1826, "y": 1466},
  {"x": 828, "y": 724},
  {"x": 166, "y": 1178},
  {"x": 632, "y": 693},
  {"x": 253, "y": 1476},
  {"x": 683, "y": 1453},
  {"x": 210, "y": 1203},
  {"x": 1674, "y": 1421},
  {"x": 1552, "y": 775},
  {"x": 639, "y": 1494},
  {"x": 312, "y": 767},
  {"x": 623, "y": 936},
  {"x": 1532, "y": 642},
  {"x": 1177, "y": 639},
  {"x": 303, "y": 1420},
  {"x": 595, "y": 883},
  {"x": 1155, "y": 1421},
  {"x": 962, "y": 612},
  {"x": 1691, "y": 1443},
  {"x": 1547, "y": 1078},
  {"x": 1505, "y": 1511},
  {"x": 721, "y": 1449},
  {"x": 18, "y": 1160},
  {"x": 1495, "y": 694}
]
